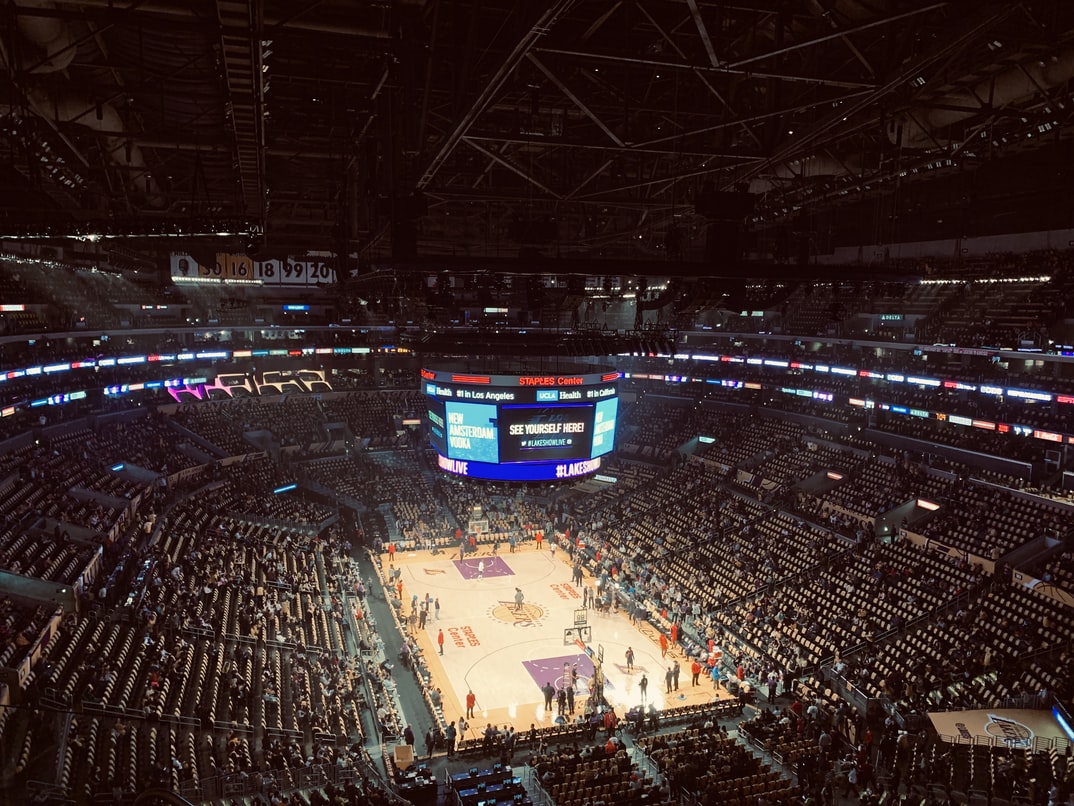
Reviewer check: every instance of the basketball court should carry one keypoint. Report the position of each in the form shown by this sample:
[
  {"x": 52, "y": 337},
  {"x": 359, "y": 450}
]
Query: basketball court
[
  {"x": 1004, "y": 727},
  {"x": 506, "y": 652}
]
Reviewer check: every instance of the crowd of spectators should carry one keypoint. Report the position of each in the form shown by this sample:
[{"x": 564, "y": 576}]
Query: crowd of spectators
[
  {"x": 377, "y": 416},
  {"x": 20, "y": 625},
  {"x": 230, "y": 632},
  {"x": 714, "y": 768},
  {"x": 232, "y": 627},
  {"x": 600, "y": 773},
  {"x": 988, "y": 520},
  {"x": 861, "y": 592},
  {"x": 502, "y": 510}
]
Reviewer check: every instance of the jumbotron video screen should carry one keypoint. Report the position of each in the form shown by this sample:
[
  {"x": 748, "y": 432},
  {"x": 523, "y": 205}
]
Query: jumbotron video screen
[{"x": 521, "y": 427}]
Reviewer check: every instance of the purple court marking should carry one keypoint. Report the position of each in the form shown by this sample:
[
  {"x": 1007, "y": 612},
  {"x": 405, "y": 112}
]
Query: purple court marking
[
  {"x": 550, "y": 670},
  {"x": 494, "y": 567}
]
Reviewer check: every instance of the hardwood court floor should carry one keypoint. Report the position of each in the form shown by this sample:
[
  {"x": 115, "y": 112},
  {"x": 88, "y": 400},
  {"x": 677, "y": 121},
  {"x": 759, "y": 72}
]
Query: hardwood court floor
[{"x": 506, "y": 654}]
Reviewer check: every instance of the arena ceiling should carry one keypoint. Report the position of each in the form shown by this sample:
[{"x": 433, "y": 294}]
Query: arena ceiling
[{"x": 501, "y": 128}]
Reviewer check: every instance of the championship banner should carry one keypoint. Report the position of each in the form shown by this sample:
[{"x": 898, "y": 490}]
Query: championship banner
[{"x": 1018, "y": 729}]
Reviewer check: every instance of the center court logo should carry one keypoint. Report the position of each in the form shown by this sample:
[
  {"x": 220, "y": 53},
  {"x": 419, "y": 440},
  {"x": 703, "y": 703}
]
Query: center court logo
[
  {"x": 529, "y": 615},
  {"x": 1010, "y": 731}
]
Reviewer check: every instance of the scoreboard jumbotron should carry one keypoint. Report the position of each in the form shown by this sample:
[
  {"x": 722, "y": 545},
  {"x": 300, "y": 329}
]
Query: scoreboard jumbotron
[{"x": 521, "y": 427}]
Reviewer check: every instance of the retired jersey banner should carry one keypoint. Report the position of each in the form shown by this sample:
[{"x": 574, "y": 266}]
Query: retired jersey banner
[
  {"x": 231, "y": 268},
  {"x": 1019, "y": 729}
]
